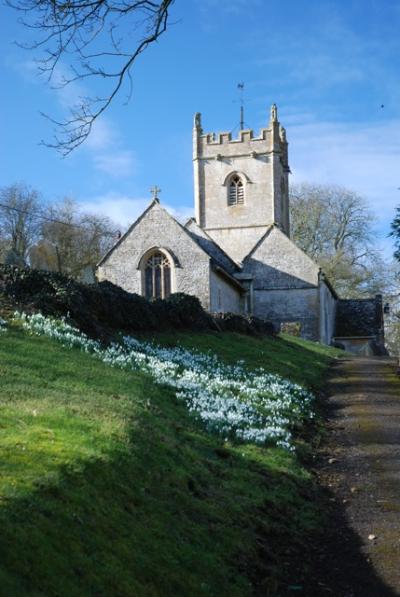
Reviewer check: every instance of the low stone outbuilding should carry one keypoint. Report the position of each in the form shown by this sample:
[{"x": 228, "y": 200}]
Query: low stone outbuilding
[{"x": 359, "y": 326}]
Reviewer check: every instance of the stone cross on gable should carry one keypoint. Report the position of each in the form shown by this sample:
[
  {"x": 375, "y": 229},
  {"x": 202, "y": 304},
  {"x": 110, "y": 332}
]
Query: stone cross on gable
[{"x": 155, "y": 190}]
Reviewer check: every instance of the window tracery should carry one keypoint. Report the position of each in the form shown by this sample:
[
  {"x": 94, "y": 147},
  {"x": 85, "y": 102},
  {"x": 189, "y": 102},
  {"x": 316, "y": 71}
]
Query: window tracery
[
  {"x": 235, "y": 191},
  {"x": 157, "y": 276}
]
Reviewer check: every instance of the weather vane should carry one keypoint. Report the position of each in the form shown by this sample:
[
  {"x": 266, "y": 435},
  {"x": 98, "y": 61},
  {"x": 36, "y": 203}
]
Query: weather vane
[
  {"x": 240, "y": 86},
  {"x": 155, "y": 190}
]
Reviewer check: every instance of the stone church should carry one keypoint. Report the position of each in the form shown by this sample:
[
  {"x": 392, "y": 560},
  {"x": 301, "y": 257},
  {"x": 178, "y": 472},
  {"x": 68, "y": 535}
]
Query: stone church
[{"x": 236, "y": 254}]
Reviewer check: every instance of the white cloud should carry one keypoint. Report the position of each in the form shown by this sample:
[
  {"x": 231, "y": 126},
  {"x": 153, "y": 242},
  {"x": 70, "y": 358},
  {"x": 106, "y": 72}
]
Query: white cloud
[
  {"x": 102, "y": 136},
  {"x": 116, "y": 163},
  {"x": 69, "y": 94},
  {"x": 182, "y": 213},
  {"x": 124, "y": 210},
  {"x": 362, "y": 157},
  {"x": 328, "y": 53},
  {"x": 28, "y": 69}
]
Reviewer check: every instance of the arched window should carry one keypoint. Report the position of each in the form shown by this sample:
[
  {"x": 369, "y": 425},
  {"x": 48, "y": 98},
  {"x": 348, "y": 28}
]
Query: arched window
[
  {"x": 157, "y": 276},
  {"x": 236, "y": 191}
]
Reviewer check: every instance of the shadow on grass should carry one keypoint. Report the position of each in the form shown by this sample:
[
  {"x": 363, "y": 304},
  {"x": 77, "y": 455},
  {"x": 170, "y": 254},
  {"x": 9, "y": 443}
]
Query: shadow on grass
[
  {"x": 178, "y": 513},
  {"x": 171, "y": 511}
]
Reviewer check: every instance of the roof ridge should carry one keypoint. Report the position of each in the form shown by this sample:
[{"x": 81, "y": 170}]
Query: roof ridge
[
  {"x": 260, "y": 240},
  {"x": 128, "y": 231}
]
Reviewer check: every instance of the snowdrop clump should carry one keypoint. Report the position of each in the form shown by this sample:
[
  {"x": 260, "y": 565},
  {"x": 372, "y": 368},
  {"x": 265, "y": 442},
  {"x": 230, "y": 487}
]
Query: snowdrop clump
[
  {"x": 3, "y": 325},
  {"x": 250, "y": 406}
]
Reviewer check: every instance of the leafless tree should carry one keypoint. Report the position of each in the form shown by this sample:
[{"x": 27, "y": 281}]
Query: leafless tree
[
  {"x": 101, "y": 40},
  {"x": 19, "y": 218},
  {"x": 80, "y": 239},
  {"x": 334, "y": 226},
  {"x": 395, "y": 233}
]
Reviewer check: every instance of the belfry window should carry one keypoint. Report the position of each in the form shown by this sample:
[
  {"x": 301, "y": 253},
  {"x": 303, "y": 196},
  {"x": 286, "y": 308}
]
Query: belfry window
[
  {"x": 236, "y": 191},
  {"x": 157, "y": 276}
]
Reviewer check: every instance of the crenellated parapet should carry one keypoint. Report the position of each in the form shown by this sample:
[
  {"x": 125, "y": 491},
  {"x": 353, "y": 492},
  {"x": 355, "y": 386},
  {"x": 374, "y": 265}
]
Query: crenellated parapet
[
  {"x": 260, "y": 160},
  {"x": 243, "y": 136},
  {"x": 222, "y": 144}
]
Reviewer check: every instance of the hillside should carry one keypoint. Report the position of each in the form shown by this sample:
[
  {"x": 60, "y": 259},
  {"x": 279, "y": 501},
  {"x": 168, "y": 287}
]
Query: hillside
[{"x": 109, "y": 486}]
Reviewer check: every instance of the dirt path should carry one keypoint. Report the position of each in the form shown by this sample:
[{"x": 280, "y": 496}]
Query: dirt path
[{"x": 360, "y": 469}]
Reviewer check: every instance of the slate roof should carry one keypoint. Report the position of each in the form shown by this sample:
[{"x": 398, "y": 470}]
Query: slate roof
[{"x": 218, "y": 255}]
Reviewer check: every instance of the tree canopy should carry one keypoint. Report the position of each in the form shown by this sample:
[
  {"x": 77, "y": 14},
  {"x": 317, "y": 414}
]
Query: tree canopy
[
  {"x": 395, "y": 233},
  {"x": 57, "y": 237},
  {"x": 19, "y": 224},
  {"x": 334, "y": 226}
]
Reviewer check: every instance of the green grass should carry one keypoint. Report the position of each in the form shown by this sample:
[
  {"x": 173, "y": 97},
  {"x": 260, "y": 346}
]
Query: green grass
[{"x": 109, "y": 487}]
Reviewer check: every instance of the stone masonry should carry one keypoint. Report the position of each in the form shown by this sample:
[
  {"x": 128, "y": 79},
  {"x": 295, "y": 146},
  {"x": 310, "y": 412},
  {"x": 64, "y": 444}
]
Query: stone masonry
[
  {"x": 236, "y": 255},
  {"x": 263, "y": 164}
]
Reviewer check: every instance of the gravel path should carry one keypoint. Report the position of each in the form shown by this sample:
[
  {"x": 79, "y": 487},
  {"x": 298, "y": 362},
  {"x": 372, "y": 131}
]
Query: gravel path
[{"x": 360, "y": 469}]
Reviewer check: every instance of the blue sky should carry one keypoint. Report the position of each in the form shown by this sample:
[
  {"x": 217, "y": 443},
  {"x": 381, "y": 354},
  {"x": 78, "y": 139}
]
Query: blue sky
[{"x": 328, "y": 65}]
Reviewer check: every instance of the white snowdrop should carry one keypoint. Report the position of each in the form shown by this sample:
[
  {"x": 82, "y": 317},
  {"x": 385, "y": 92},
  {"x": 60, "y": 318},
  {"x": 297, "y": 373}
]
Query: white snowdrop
[{"x": 250, "y": 406}]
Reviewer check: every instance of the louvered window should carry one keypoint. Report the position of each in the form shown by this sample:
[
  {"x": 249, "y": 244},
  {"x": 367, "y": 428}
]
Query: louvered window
[
  {"x": 236, "y": 192},
  {"x": 157, "y": 276}
]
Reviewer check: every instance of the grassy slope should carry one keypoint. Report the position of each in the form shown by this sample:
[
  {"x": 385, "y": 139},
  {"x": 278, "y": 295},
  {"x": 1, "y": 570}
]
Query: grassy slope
[{"x": 108, "y": 487}]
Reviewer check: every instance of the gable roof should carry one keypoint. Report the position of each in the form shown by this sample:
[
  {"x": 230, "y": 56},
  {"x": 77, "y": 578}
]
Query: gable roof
[
  {"x": 298, "y": 249},
  {"x": 221, "y": 262},
  {"x": 274, "y": 227},
  {"x": 123, "y": 237},
  {"x": 259, "y": 242}
]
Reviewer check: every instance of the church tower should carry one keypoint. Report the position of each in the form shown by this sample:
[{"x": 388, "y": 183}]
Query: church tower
[{"x": 241, "y": 185}]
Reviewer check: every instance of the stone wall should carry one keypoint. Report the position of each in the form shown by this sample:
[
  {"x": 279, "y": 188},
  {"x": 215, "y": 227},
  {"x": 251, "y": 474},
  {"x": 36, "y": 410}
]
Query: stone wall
[
  {"x": 359, "y": 346},
  {"x": 224, "y": 298},
  {"x": 238, "y": 242},
  {"x": 291, "y": 305},
  {"x": 359, "y": 317},
  {"x": 257, "y": 174},
  {"x": 206, "y": 242},
  {"x": 277, "y": 263},
  {"x": 156, "y": 228},
  {"x": 286, "y": 283},
  {"x": 327, "y": 304},
  {"x": 262, "y": 164}
]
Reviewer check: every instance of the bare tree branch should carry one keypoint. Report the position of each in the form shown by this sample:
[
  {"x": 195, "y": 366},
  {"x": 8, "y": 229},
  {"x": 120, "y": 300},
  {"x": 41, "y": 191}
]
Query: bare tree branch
[
  {"x": 101, "y": 39},
  {"x": 333, "y": 225},
  {"x": 19, "y": 224}
]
